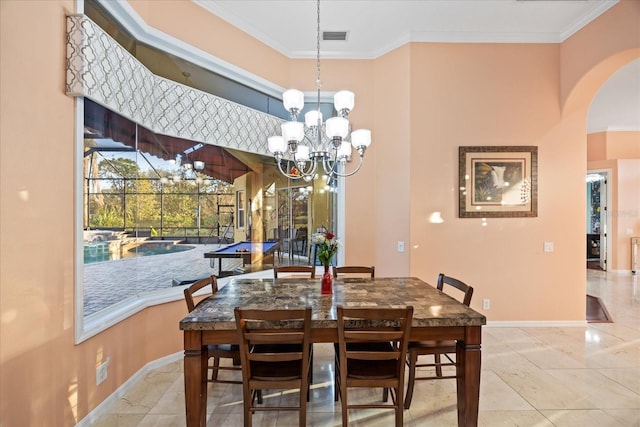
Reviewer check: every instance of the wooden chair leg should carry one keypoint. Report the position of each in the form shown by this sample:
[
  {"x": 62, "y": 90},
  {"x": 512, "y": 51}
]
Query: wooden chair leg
[
  {"x": 438, "y": 365},
  {"x": 413, "y": 360},
  {"x": 385, "y": 395},
  {"x": 399, "y": 409},
  {"x": 214, "y": 368},
  {"x": 343, "y": 401}
]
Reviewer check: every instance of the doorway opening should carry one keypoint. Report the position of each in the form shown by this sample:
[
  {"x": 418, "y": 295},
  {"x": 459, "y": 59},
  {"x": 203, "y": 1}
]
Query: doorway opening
[{"x": 597, "y": 220}]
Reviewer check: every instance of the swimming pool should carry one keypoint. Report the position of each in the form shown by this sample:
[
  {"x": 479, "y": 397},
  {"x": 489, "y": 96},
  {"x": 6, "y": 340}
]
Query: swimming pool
[{"x": 108, "y": 251}]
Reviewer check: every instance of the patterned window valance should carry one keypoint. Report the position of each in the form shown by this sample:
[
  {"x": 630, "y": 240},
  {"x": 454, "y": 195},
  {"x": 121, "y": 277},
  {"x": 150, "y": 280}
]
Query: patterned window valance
[{"x": 100, "y": 69}]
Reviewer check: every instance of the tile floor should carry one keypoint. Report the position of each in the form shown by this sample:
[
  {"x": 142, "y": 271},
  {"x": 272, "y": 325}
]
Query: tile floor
[{"x": 552, "y": 376}]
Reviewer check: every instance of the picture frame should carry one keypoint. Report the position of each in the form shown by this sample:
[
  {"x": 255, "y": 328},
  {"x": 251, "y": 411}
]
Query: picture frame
[{"x": 498, "y": 181}]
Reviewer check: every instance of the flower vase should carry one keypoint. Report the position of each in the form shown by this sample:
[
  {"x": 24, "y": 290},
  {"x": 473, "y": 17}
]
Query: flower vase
[{"x": 327, "y": 281}]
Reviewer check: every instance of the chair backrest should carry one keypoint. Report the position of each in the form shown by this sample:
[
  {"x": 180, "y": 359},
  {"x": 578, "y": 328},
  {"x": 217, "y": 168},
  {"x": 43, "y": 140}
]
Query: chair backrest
[
  {"x": 196, "y": 286},
  {"x": 255, "y": 328},
  {"x": 374, "y": 325},
  {"x": 310, "y": 270},
  {"x": 353, "y": 269},
  {"x": 301, "y": 233},
  {"x": 458, "y": 284}
]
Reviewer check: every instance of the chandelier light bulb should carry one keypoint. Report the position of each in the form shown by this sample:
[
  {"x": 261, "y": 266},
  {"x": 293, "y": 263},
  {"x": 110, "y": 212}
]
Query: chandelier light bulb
[
  {"x": 337, "y": 127},
  {"x": 292, "y": 131},
  {"x": 313, "y": 118},
  {"x": 303, "y": 153},
  {"x": 293, "y": 99},
  {"x": 344, "y": 100},
  {"x": 361, "y": 138},
  {"x": 198, "y": 165},
  {"x": 344, "y": 152},
  {"x": 276, "y": 144}
]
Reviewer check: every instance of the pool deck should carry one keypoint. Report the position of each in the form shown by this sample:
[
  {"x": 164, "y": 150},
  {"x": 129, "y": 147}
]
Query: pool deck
[{"x": 109, "y": 282}]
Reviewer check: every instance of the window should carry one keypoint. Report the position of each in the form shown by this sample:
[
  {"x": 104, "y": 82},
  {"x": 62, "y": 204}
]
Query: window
[
  {"x": 240, "y": 209},
  {"x": 142, "y": 205}
]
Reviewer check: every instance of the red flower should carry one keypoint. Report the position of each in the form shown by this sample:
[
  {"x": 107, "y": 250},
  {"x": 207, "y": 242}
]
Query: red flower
[{"x": 329, "y": 236}]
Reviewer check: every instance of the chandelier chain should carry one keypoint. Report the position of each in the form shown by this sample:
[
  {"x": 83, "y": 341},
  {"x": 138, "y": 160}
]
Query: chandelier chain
[{"x": 318, "y": 81}]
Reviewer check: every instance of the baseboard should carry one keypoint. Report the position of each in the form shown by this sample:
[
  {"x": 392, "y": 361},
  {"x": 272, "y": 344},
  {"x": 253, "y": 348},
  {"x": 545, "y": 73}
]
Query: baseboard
[
  {"x": 106, "y": 404},
  {"x": 536, "y": 323}
]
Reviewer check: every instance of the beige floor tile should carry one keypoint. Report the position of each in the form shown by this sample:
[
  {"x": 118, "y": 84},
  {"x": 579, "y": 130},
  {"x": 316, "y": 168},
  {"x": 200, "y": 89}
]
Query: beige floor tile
[
  {"x": 543, "y": 391},
  {"x": 531, "y": 418},
  {"x": 582, "y": 418},
  {"x": 498, "y": 357},
  {"x": 595, "y": 389},
  {"x": 627, "y": 377},
  {"x": 626, "y": 417},
  {"x": 495, "y": 394},
  {"x": 163, "y": 420},
  {"x": 119, "y": 420}
]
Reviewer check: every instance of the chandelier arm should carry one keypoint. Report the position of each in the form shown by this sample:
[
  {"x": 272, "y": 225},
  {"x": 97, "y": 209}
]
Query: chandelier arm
[
  {"x": 288, "y": 175},
  {"x": 344, "y": 175},
  {"x": 302, "y": 169}
]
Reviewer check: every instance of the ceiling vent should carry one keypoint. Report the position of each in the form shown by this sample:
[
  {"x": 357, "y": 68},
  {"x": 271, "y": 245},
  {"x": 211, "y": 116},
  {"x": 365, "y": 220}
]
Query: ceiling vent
[{"x": 334, "y": 36}]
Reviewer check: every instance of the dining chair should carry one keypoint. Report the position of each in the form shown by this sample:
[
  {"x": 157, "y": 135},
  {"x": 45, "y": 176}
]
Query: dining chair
[
  {"x": 372, "y": 346},
  {"x": 218, "y": 351},
  {"x": 353, "y": 269},
  {"x": 436, "y": 348},
  {"x": 311, "y": 270},
  {"x": 274, "y": 358}
]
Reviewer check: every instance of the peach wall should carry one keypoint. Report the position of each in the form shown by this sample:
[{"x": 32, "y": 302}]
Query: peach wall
[
  {"x": 619, "y": 152},
  {"x": 435, "y": 97},
  {"x": 623, "y": 145},
  {"x": 476, "y": 94},
  {"x": 624, "y": 208},
  {"x": 596, "y": 146},
  {"x": 203, "y": 30},
  {"x": 615, "y": 34},
  {"x": 387, "y": 218}
]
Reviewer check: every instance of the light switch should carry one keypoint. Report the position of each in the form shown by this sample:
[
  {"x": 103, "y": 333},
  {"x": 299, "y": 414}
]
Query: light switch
[
  {"x": 548, "y": 246},
  {"x": 400, "y": 246}
]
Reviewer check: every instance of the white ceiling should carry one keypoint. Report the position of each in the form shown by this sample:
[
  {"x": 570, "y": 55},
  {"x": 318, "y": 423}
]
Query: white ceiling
[{"x": 374, "y": 27}]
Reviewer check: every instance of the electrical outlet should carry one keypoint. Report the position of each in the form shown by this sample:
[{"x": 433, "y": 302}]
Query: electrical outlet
[
  {"x": 486, "y": 304},
  {"x": 101, "y": 372}
]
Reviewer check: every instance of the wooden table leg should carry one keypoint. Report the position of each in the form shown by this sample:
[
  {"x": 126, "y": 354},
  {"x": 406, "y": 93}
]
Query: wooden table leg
[
  {"x": 468, "y": 362},
  {"x": 195, "y": 383}
]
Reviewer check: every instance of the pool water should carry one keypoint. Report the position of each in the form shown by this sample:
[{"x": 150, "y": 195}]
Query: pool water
[{"x": 98, "y": 252}]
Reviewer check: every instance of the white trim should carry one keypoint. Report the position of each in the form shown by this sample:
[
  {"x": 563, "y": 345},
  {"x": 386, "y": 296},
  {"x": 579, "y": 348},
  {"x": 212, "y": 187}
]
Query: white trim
[
  {"x": 78, "y": 174},
  {"x": 129, "y": 18},
  {"x": 340, "y": 221},
  {"x": 536, "y": 324},
  {"x": 592, "y": 14},
  {"x": 105, "y": 405}
]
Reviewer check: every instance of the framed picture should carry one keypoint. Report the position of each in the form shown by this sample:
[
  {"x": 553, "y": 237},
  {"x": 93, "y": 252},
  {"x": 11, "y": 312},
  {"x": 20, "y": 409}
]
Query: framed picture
[{"x": 498, "y": 182}]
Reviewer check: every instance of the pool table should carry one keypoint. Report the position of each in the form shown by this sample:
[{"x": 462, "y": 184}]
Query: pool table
[{"x": 242, "y": 250}]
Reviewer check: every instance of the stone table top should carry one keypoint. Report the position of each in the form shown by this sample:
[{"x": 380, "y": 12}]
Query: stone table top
[{"x": 432, "y": 308}]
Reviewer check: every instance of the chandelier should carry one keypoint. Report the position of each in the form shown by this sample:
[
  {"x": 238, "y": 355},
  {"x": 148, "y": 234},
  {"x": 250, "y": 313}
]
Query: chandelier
[{"x": 311, "y": 142}]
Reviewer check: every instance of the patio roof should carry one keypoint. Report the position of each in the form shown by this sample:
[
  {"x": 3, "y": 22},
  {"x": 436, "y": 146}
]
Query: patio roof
[{"x": 220, "y": 163}]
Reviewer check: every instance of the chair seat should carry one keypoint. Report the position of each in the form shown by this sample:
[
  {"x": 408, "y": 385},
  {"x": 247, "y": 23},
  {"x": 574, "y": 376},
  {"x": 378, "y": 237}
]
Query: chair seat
[
  {"x": 270, "y": 371},
  {"x": 432, "y": 347},
  {"x": 227, "y": 348},
  {"x": 371, "y": 369}
]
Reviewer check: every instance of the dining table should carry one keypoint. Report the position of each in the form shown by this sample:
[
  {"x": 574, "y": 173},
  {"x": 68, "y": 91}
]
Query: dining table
[{"x": 436, "y": 316}]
